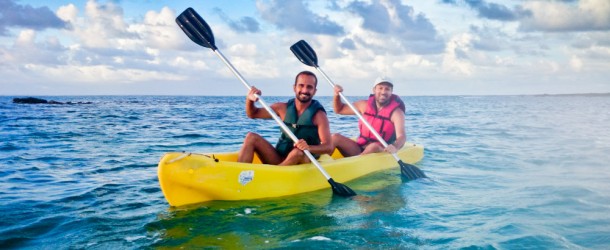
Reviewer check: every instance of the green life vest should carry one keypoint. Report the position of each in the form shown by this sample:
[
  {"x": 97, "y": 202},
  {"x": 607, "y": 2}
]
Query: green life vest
[{"x": 301, "y": 126}]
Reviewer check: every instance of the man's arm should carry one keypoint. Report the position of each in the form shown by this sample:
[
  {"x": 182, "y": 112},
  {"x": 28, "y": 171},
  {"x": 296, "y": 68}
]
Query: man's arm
[
  {"x": 254, "y": 112},
  {"x": 326, "y": 146},
  {"x": 398, "y": 118},
  {"x": 343, "y": 109}
]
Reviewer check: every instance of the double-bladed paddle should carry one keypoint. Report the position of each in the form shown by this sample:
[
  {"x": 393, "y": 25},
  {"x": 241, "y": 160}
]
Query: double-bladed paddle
[
  {"x": 307, "y": 55},
  {"x": 199, "y": 32}
]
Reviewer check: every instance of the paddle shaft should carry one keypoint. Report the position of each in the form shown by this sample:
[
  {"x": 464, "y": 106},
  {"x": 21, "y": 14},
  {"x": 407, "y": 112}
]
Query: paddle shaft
[
  {"x": 377, "y": 135},
  {"x": 272, "y": 113}
]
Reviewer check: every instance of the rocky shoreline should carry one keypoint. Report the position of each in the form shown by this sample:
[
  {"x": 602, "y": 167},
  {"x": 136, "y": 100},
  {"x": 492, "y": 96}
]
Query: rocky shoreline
[{"x": 34, "y": 100}]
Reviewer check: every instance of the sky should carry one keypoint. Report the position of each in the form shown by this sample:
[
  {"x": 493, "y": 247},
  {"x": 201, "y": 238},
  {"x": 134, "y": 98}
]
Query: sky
[{"x": 427, "y": 47}]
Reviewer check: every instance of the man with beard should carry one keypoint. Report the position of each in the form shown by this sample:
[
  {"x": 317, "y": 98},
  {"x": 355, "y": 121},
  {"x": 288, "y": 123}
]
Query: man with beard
[
  {"x": 384, "y": 111},
  {"x": 304, "y": 116}
]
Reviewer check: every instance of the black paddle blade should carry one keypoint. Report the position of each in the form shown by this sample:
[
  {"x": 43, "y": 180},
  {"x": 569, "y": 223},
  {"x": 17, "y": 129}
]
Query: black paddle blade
[
  {"x": 196, "y": 28},
  {"x": 411, "y": 172},
  {"x": 305, "y": 53},
  {"x": 340, "y": 189}
]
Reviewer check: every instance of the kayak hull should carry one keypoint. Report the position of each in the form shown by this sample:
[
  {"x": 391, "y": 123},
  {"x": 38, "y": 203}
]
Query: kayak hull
[{"x": 188, "y": 178}]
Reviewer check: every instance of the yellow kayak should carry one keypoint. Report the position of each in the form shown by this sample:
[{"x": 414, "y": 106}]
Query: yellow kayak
[{"x": 188, "y": 178}]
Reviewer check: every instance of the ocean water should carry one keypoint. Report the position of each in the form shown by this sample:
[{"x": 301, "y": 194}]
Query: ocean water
[{"x": 505, "y": 172}]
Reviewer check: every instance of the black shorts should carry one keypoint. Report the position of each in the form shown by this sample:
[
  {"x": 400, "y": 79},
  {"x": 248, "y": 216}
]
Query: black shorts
[{"x": 283, "y": 148}]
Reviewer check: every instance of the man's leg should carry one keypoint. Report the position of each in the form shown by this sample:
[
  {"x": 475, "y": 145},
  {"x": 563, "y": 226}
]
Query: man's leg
[
  {"x": 254, "y": 143},
  {"x": 346, "y": 146},
  {"x": 372, "y": 147},
  {"x": 296, "y": 156}
]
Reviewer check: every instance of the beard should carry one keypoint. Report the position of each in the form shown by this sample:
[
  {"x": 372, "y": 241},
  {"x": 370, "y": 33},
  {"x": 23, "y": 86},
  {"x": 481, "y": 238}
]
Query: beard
[
  {"x": 383, "y": 101},
  {"x": 304, "y": 97}
]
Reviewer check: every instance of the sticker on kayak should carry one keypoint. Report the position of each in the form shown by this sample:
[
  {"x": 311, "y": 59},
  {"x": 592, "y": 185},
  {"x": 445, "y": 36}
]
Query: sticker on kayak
[{"x": 246, "y": 176}]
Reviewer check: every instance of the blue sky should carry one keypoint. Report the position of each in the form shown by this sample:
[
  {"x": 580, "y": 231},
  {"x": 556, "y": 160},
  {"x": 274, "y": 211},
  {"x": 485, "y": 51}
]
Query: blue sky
[{"x": 428, "y": 47}]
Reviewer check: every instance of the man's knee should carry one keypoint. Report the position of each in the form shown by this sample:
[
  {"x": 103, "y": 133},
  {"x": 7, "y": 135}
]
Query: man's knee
[
  {"x": 295, "y": 156},
  {"x": 374, "y": 147},
  {"x": 336, "y": 137},
  {"x": 297, "y": 153},
  {"x": 251, "y": 137}
]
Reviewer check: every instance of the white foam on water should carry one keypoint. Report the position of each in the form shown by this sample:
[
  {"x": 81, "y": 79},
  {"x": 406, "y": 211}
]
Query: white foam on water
[{"x": 320, "y": 238}]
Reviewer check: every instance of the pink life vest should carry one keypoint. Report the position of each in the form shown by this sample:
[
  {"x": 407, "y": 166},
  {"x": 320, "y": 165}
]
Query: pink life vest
[{"x": 379, "y": 120}]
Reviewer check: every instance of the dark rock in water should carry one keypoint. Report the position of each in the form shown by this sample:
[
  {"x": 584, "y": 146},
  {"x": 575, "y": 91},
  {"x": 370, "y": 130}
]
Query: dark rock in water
[
  {"x": 33, "y": 100},
  {"x": 29, "y": 100}
]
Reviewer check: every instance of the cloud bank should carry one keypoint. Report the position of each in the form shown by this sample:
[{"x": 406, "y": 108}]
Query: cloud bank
[{"x": 446, "y": 47}]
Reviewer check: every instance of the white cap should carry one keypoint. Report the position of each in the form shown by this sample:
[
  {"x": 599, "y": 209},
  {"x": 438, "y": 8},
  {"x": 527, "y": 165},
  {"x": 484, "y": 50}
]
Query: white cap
[{"x": 383, "y": 79}]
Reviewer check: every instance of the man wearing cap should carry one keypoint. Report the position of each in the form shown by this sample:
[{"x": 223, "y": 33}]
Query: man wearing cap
[{"x": 384, "y": 111}]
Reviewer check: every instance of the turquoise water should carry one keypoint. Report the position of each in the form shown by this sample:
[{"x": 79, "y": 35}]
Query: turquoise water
[{"x": 506, "y": 172}]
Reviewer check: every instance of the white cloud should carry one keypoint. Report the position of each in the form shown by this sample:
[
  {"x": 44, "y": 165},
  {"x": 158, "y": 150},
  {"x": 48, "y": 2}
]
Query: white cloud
[
  {"x": 181, "y": 62},
  {"x": 25, "y": 39},
  {"x": 26, "y": 49},
  {"x": 393, "y": 21},
  {"x": 103, "y": 26},
  {"x": 250, "y": 69},
  {"x": 159, "y": 30},
  {"x": 243, "y": 50},
  {"x": 576, "y": 63},
  {"x": 68, "y": 13},
  {"x": 410, "y": 61},
  {"x": 104, "y": 48},
  {"x": 282, "y": 14},
  {"x": 98, "y": 73},
  {"x": 453, "y": 60},
  {"x": 564, "y": 16}
]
